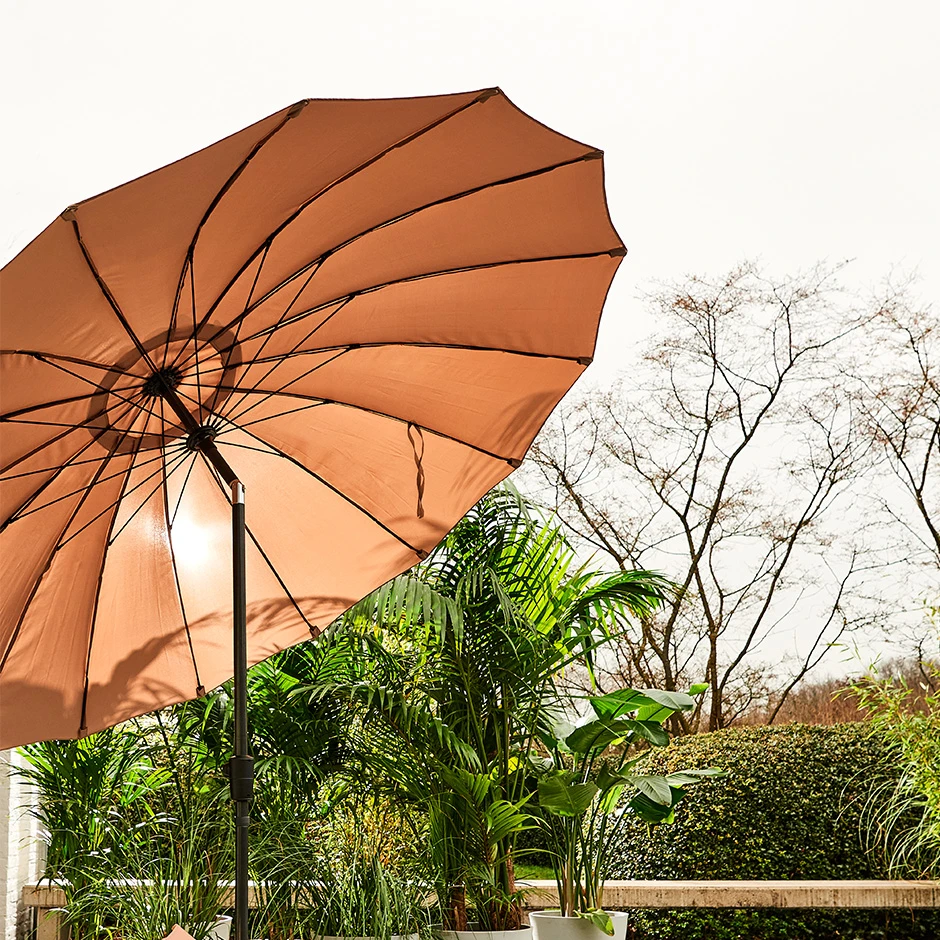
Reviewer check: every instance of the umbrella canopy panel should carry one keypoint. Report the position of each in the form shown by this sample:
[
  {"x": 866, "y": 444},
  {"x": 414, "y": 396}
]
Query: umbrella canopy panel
[{"x": 370, "y": 307}]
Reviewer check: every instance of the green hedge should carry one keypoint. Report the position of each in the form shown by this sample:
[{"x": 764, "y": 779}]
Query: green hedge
[{"x": 790, "y": 807}]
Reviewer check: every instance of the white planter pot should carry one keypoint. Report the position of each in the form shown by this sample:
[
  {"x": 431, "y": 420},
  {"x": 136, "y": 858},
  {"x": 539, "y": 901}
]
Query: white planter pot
[
  {"x": 222, "y": 929},
  {"x": 550, "y": 925},
  {"x": 395, "y": 936},
  {"x": 523, "y": 933}
]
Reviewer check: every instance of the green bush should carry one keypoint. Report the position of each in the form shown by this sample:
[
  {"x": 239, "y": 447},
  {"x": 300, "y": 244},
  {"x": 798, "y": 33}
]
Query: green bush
[{"x": 790, "y": 808}]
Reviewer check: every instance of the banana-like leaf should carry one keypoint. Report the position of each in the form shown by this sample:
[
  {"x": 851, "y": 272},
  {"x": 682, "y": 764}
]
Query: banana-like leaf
[
  {"x": 562, "y": 796},
  {"x": 652, "y": 812},
  {"x": 655, "y": 788},
  {"x": 598, "y": 734}
]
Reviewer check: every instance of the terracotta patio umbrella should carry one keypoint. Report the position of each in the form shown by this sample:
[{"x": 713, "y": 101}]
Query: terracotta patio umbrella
[{"x": 359, "y": 312}]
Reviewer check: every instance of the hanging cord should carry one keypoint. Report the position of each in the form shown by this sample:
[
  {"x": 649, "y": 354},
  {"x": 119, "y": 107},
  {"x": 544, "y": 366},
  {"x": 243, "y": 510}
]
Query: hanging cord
[{"x": 418, "y": 463}]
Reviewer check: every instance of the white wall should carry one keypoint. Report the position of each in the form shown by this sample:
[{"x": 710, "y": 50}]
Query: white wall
[{"x": 20, "y": 857}]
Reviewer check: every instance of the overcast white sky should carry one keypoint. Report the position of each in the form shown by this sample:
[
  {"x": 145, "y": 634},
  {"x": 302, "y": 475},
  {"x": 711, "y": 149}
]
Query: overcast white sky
[{"x": 788, "y": 132}]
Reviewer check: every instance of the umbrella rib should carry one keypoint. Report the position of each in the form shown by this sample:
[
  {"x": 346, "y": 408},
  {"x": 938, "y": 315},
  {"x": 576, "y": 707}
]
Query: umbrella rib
[
  {"x": 136, "y": 487},
  {"x": 251, "y": 294},
  {"x": 443, "y": 200},
  {"x": 179, "y": 500},
  {"x": 180, "y": 460},
  {"x": 617, "y": 251},
  {"x": 101, "y": 388},
  {"x": 231, "y": 347},
  {"x": 74, "y": 463},
  {"x": 106, "y": 291},
  {"x": 292, "y": 111},
  {"x": 22, "y": 515},
  {"x": 277, "y": 452},
  {"x": 18, "y": 513},
  {"x": 483, "y": 96},
  {"x": 83, "y": 727},
  {"x": 72, "y": 399},
  {"x": 254, "y": 389},
  {"x": 512, "y": 461},
  {"x": 318, "y": 261},
  {"x": 295, "y": 353},
  {"x": 192, "y": 286},
  {"x": 200, "y": 690},
  {"x": 311, "y": 627},
  {"x": 58, "y": 437},
  {"x": 42, "y": 354},
  {"x": 50, "y": 557}
]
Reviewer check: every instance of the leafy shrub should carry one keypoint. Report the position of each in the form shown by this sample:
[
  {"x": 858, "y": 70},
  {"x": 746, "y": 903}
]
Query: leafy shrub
[{"x": 790, "y": 808}]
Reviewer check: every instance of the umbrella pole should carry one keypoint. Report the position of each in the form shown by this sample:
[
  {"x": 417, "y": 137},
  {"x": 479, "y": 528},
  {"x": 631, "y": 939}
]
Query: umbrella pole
[{"x": 242, "y": 769}]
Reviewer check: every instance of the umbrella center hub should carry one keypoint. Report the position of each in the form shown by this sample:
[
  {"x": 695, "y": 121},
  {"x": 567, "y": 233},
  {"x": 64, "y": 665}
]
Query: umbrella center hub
[
  {"x": 156, "y": 385},
  {"x": 196, "y": 439}
]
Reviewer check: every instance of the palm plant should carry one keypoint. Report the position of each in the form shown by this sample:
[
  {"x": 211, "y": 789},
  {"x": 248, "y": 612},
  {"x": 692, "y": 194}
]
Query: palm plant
[
  {"x": 477, "y": 635},
  {"x": 298, "y": 747},
  {"x": 90, "y": 793}
]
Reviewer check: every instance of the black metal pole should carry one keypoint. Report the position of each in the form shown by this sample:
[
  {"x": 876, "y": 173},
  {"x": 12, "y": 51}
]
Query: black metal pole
[{"x": 242, "y": 766}]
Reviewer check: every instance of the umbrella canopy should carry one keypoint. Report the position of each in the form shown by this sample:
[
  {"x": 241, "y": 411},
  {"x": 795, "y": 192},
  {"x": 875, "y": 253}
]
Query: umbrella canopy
[{"x": 369, "y": 307}]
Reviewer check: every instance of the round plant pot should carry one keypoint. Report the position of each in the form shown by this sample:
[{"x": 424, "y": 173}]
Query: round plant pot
[
  {"x": 523, "y": 933},
  {"x": 395, "y": 936},
  {"x": 551, "y": 925},
  {"x": 222, "y": 929}
]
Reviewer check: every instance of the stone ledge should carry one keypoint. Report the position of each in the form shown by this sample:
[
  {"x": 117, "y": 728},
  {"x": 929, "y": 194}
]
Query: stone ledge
[{"x": 676, "y": 894}]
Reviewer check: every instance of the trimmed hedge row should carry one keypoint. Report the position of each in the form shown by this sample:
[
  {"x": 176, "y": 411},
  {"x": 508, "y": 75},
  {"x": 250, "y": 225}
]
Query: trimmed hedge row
[{"x": 790, "y": 807}]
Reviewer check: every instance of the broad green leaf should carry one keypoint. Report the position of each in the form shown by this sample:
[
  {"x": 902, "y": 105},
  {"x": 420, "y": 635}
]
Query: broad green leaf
[
  {"x": 620, "y": 702},
  {"x": 563, "y": 797},
  {"x": 677, "y": 701},
  {"x": 652, "y": 812},
  {"x": 599, "y": 734},
  {"x": 600, "y": 919},
  {"x": 698, "y": 688},
  {"x": 653, "y": 731},
  {"x": 656, "y": 788}
]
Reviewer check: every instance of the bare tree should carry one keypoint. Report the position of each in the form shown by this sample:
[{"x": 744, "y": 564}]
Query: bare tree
[
  {"x": 896, "y": 382},
  {"x": 725, "y": 458}
]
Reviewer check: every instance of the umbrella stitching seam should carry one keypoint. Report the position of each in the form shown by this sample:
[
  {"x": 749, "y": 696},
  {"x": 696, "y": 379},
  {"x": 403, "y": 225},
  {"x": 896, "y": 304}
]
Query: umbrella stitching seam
[
  {"x": 49, "y": 560},
  {"x": 200, "y": 691},
  {"x": 94, "y": 614},
  {"x": 19, "y": 512},
  {"x": 278, "y": 452},
  {"x": 444, "y": 272},
  {"x": 342, "y": 179},
  {"x": 311, "y": 627},
  {"x": 385, "y": 224}
]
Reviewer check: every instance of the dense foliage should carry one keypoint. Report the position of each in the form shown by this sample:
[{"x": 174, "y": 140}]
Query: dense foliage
[
  {"x": 903, "y": 814},
  {"x": 790, "y": 807},
  {"x": 427, "y": 696}
]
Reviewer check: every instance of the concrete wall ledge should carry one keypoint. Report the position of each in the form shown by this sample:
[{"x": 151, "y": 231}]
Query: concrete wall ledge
[{"x": 675, "y": 894}]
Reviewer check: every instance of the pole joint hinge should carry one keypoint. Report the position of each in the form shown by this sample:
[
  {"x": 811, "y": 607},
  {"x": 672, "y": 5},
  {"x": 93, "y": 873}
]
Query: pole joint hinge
[{"x": 241, "y": 777}]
